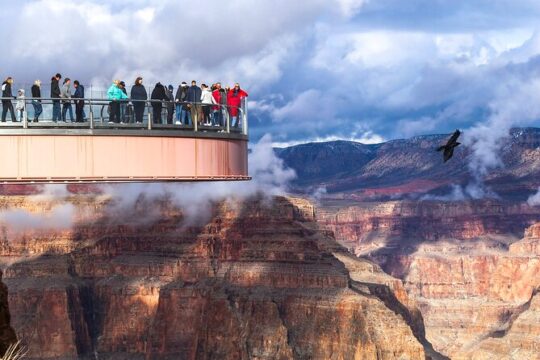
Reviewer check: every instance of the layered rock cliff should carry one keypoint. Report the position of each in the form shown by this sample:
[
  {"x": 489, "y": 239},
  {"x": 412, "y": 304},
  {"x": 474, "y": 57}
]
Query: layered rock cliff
[
  {"x": 258, "y": 280},
  {"x": 472, "y": 268}
]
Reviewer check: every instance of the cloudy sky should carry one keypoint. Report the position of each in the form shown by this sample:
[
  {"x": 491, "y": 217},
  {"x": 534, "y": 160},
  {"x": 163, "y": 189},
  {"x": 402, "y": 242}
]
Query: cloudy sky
[{"x": 318, "y": 69}]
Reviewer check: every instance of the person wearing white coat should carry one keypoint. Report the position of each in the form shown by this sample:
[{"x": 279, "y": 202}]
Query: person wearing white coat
[
  {"x": 19, "y": 106},
  {"x": 207, "y": 101}
]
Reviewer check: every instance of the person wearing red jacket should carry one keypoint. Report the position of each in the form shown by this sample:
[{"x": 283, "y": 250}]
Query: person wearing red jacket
[{"x": 234, "y": 102}]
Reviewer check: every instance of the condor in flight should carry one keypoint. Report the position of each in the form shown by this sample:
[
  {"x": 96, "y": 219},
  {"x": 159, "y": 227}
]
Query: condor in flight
[{"x": 450, "y": 145}]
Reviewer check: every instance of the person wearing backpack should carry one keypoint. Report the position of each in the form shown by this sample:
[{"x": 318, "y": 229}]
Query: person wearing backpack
[{"x": 158, "y": 96}]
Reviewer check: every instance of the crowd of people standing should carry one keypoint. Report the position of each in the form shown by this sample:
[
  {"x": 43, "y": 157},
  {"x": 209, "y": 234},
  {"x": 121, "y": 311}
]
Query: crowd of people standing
[{"x": 204, "y": 105}]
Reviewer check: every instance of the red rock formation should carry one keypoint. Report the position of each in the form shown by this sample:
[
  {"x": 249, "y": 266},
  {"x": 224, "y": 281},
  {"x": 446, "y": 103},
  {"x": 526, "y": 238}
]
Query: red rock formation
[
  {"x": 259, "y": 280},
  {"x": 473, "y": 280},
  {"x": 369, "y": 225}
]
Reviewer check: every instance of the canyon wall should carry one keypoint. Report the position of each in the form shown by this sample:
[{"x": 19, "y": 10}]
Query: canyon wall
[
  {"x": 7, "y": 334},
  {"x": 472, "y": 268},
  {"x": 257, "y": 280}
]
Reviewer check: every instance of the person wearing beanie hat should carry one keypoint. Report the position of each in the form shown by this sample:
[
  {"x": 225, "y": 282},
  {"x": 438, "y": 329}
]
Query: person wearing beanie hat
[{"x": 170, "y": 104}]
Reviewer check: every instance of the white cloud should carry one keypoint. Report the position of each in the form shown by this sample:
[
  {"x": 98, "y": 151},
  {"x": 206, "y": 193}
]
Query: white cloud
[
  {"x": 350, "y": 7},
  {"x": 367, "y": 138},
  {"x": 534, "y": 200},
  {"x": 314, "y": 69},
  {"x": 270, "y": 177}
]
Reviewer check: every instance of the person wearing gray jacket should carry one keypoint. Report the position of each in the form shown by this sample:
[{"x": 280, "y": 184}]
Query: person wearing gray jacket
[{"x": 66, "y": 100}]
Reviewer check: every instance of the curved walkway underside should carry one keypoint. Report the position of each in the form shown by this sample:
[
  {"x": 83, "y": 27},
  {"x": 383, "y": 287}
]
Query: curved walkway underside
[{"x": 52, "y": 155}]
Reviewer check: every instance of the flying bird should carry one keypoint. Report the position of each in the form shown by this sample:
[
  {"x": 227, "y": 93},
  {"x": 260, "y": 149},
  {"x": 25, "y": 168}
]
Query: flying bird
[{"x": 450, "y": 145}]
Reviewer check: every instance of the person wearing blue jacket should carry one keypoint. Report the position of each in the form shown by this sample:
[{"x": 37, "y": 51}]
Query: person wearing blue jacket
[
  {"x": 115, "y": 95},
  {"x": 79, "y": 102}
]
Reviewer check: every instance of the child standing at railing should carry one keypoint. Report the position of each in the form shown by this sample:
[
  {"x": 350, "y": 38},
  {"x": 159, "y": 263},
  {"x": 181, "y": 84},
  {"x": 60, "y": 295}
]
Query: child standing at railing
[{"x": 19, "y": 106}]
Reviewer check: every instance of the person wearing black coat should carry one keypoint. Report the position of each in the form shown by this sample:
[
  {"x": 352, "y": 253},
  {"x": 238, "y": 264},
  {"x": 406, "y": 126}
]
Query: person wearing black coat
[
  {"x": 55, "y": 94},
  {"x": 36, "y": 102},
  {"x": 139, "y": 97},
  {"x": 6, "y": 103},
  {"x": 182, "y": 109},
  {"x": 170, "y": 104},
  {"x": 79, "y": 102},
  {"x": 158, "y": 94}
]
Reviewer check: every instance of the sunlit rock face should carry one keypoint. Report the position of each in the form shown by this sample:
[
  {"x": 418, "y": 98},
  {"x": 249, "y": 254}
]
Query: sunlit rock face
[
  {"x": 472, "y": 267},
  {"x": 256, "y": 280}
]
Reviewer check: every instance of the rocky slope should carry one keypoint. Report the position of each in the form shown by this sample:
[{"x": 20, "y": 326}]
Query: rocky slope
[
  {"x": 472, "y": 268},
  {"x": 410, "y": 167},
  {"x": 7, "y": 334},
  {"x": 258, "y": 280}
]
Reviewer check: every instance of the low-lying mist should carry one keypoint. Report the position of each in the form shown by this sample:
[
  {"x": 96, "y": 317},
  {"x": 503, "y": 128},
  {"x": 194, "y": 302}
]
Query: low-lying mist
[{"x": 270, "y": 177}]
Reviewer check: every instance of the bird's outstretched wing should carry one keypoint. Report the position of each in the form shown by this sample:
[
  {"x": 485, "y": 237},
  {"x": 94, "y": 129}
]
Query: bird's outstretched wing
[
  {"x": 454, "y": 137},
  {"x": 448, "y": 153}
]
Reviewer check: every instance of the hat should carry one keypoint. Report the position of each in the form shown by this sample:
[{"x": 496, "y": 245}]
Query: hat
[{"x": 170, "y": 87}]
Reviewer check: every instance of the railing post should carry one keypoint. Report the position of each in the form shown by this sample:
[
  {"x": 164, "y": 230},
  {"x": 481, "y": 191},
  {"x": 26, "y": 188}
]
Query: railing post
[
  {"x": 149, "y": 118},
  {"x": 227, "y": 120},
  {"x": 25, "y": 116},
  {"x": 194, "y": 119},
  {"x": 91, "y": 114},
  {"x": 245, "y": 118}
]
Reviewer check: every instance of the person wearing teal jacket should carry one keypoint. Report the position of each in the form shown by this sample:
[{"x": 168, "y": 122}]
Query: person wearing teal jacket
[{"x": 115, "y": 94}]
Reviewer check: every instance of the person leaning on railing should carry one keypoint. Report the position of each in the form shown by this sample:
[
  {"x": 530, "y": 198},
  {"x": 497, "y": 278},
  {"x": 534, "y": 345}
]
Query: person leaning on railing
[
  {"x": 139, "y": 95},
  {"x": 79, "y": 103},
  {"x": 36, "y": 102},
  {"x": 115, "y": 94}
]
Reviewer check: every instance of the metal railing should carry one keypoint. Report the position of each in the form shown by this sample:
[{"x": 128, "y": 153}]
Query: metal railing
[{"x": 98, "y": 113}]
